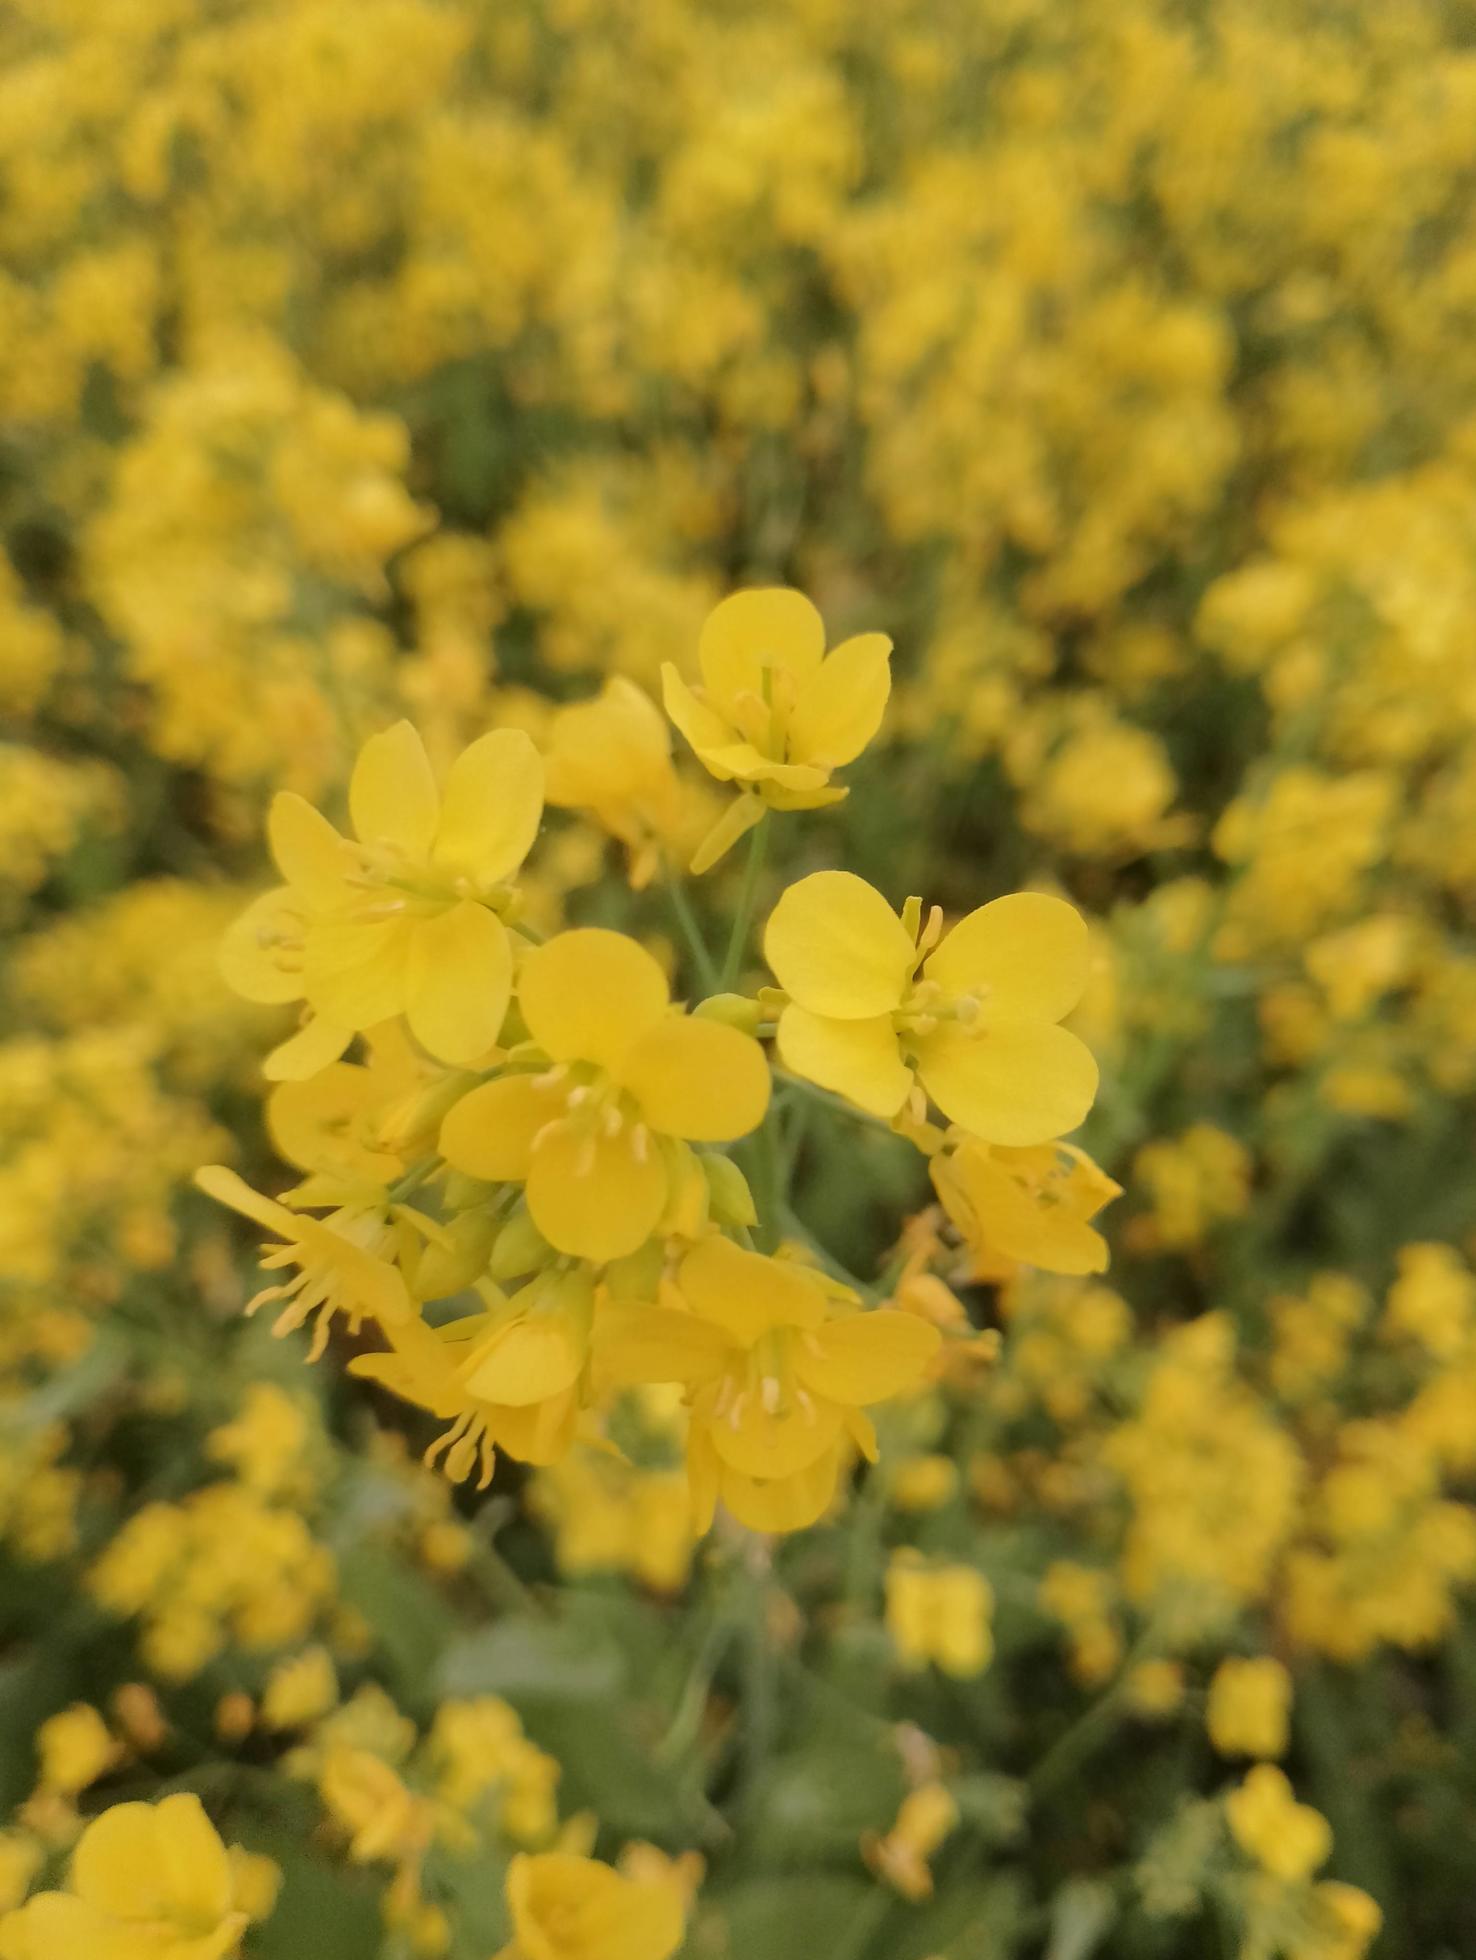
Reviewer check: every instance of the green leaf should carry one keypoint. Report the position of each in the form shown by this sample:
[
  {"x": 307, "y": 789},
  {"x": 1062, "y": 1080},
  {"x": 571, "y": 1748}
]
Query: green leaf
[{"x": 1083, "y": 1914}]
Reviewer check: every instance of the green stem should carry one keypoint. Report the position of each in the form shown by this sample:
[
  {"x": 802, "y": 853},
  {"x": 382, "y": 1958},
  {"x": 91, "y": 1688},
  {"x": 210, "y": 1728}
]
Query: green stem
[
  {"x": 691, "y": 932},
  {"x": 743, "y": 918},
  {"x": 1093, "y": 1726}
]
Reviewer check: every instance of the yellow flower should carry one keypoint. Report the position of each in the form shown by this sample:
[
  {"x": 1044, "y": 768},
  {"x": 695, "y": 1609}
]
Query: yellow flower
[
  {"x": 1348, "y": 1922},
  {"x": 777, "y": 1380},
  {"x": 940, "y": 1613},
  {"x": 75, "y": 1749},
  {"x": 567, "y": 1908},
  {"x": 1030, "y": 1205},
  {"x": 775, "y": 712},
  {"x": 593, "y": 1135},
  {"x": 381, "y": 1817},
  {"x": 339, "y": 1272},
  {"x": 299, "y": 1690},
  {"x": 612, "y": 757},
  {"x": 1249, "y": 1701},
  {"x": 1286, "y": 1838},
  {"x": 977, "y": 1028},
  {"x": 408, "y": 919},
  {"x": 928, "y": 1816},
  {"x": 146, "y": 1879},
  {"x": 509, "y": 1378}
]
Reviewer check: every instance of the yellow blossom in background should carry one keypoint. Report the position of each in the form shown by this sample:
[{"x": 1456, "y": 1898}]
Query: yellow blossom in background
[
  {"x": 1288, "y": 1839},
  {"x": 1032, "y": 1205},
  {"x": 924, "y": 1823},
  {"x": 567, "y": 1908},
  {"x": 939, "y": 1614},
  {"x": 1249, "y": 1705}
]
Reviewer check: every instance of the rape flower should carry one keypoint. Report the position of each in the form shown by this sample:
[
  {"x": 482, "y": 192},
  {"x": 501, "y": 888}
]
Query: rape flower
[
  {"x": 75, "y": 1749},
  {"x": 775, "y": 712},
  {"x": 1286, "y": 1838},
  {"x": 611, "y": 757},
  {"x": 149, "y": 1879},
  {"x": 595, "y": 1135},
  {"x": 338, "y": 1270},
  {"x": 1249, "y": 1701},
  {"x": 927, "y": 1817},
  {"x": 408, "y": 919},
  {"x": 300, "y": 1690},
  {"x": 777, "y": 1380},
  {"x": 1032, "y": 1205},
  {"x": 568, "y": 1908},
  {"x": 939, "y": 1614},
  {"x": 509, "y": 1377},
  {"x": 978, "y": 1029}
]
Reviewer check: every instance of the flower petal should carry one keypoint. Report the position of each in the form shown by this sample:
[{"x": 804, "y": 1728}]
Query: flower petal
[
  {"x": 228, "y": 1189},
  {"x": 492, "y": 807},
  {"x": 866, "y": 1357},
  {"x": 703, "y": 726},
  {"x": 758, "y": 1441},
  {"x": 525, "y": 1361},
  {"x": 257, "y": 956},
  {"x": 1025, "y": 954},
  {"x": 838, "y": 948},
  {"x": 392, "y": 792},
  {"x": 841, "y": 705},
  {"x": 588, "y": 993},
  {"x": 655, "y": 1344},
  {"x": 857, "y": 1059},
  {"x": 736, "y": 821},
  {"x": 752, "y": 632},
  {"x": 458, "y": 982},
  {"x": 315, "y": 1046},
  {"x": 356, "y": 974},
  {"x": 591, "y": 1195},
  {"x": 747, "y": 1293},
  {"x": 1020, "y": 1082},
  {"x": 307, "y": 850},
  {"x": 783, "y": 1503},
  {"x": 697, "y": 1079},
  {"x": 490, "y": 1132}
]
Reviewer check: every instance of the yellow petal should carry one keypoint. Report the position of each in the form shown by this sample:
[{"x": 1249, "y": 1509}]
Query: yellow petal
[
  {"x": 703, "y": 727},
  {"x": 1021, "y": 1082},
  {"x": 740, "y": 817},
  {"x": 697, "y": 1079},
  {"x": 316, "y": 1045},
  {"x": 525, "y": 1361},
  {"x": 1025, "y": 955},
  {"x": 758, "y": 1441},
  {"x": 750, "y": 633},
  {"x": 392, "y": 792},
  {"x": 840, "y": 706},
  {"x": 857, "y": 1059},
  {"x": 154, "y": 1861},
  {"x": 55, "y": 1926},
  {"x": 746, "y": 1293},
  {"x": 307, "y": 850},
  {"x": 493, "y": 806},
  {"x": 866, "y": 1357},
  {"x": 592, "y": 1195},
  {"x": 356, "y": 974},
  {"x": 838, "y": 948},
  {"x": 458, "y": 982},
  {"x": 257, "y": 957},
  {"x": 588, "y": 993},
  {"x": 228, "y": 1189},
  {"x": 655, "y": 1344},
  {"x": 786, "y": 1503},
  {"x": 490, "y": 1132},
  {"x": 745, "y": 763},
  {"x": 1005, "y": 1216}
]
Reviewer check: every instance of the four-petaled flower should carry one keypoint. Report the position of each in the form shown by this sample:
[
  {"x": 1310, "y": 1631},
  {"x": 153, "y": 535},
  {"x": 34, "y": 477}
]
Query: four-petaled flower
[
  {"x": 776, "y": 713},
  {"x": 625, "y": 1077},
  {"x": 408, "y": 919},
  {"x": 976, "y": 1026}
]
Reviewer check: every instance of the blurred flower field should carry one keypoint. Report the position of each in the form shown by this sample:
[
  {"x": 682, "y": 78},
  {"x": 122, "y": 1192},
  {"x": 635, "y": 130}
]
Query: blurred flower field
[{"x": 867, "y": 1348}]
